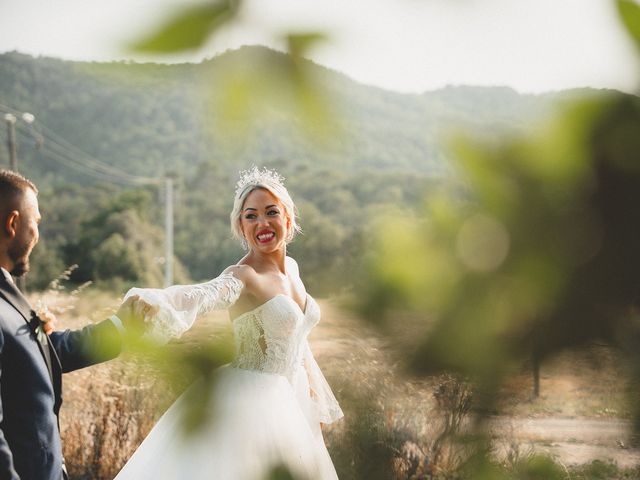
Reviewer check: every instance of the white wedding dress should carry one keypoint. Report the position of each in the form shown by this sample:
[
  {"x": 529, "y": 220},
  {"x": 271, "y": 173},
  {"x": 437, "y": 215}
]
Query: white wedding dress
[{"x": 267, "y": 404}]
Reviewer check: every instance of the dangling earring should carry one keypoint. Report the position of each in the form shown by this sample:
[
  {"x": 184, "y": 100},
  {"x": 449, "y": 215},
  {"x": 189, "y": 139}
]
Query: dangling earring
[{"x": 245, "y": 245}]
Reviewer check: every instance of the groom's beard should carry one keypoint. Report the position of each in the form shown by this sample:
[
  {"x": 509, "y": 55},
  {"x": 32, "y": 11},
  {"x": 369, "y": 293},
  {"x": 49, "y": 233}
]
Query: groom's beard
[{"x": 19, "y": 256}]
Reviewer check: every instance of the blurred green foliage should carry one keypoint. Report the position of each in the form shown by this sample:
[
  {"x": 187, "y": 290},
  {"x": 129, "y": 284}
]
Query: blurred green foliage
[
  {"x": 630, "y": 14},
  {"x": 532, "y": 249},
  {"x": 189, "y": 27},
  {"x": 534, "y": 234}
]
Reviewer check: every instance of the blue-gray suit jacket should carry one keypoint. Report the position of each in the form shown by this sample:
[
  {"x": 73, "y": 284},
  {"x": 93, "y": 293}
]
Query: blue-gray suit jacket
[{"x": 31, "y": 392}]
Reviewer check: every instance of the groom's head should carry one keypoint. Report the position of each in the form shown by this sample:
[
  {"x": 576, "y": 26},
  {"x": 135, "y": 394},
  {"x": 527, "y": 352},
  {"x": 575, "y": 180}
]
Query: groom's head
[{"x": 20, "y": 217}]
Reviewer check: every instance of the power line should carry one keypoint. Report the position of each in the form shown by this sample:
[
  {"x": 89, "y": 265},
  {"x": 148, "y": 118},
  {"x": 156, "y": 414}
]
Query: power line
[
  {"x": 62, "y": 145},
  {"x": 79, "y": 166},
  {"x": 64, "y": 152},
  {"x": 57, "y": 148}
]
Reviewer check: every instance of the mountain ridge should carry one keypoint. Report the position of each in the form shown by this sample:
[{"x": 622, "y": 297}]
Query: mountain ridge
[{"x": 153, "y": 113}]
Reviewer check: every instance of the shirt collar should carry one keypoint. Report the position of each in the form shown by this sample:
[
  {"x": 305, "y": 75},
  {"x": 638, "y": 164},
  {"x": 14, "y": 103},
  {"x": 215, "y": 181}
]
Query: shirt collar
[{"x": 7, "y": 275}]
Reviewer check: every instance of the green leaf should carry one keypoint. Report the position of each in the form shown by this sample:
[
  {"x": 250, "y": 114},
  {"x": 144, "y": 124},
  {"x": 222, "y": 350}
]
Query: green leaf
[
  {"x": 629, "y": 11},
  {"x": 299, "y": 43},
  {"x": 189, "y": 28}
]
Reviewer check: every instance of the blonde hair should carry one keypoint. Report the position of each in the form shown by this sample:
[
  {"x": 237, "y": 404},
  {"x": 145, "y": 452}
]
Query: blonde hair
[{"x": 272, "y": 182}]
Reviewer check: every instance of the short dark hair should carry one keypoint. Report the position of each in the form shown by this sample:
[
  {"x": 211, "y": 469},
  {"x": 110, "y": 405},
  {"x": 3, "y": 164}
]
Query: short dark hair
[{"x": 12, "y": 187}]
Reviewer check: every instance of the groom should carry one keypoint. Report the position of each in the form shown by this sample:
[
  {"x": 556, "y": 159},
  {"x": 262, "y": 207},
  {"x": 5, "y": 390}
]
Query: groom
[{"x": 32, "y": 362}]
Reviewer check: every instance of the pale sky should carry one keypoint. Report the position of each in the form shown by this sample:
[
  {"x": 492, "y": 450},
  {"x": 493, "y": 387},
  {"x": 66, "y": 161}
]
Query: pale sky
[{"x": 401, "y": 45}]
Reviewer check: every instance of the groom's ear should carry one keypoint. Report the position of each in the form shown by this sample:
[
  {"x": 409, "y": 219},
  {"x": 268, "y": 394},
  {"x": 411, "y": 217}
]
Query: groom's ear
[{"x": 11, "y": 223}]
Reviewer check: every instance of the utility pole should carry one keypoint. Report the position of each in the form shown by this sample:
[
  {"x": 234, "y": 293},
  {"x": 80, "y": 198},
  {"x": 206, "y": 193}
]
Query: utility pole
[
  {"x": 168, "y": 225},
  {"x": 11, "y": 141},
  {"x": 12, "y": 145}
]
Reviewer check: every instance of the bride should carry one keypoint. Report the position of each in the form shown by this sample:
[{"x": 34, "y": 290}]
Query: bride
[{"x": 269, "y": 402}]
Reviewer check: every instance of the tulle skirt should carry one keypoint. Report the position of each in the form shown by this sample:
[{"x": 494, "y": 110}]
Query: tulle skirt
[{"x": 259, "y": 421}]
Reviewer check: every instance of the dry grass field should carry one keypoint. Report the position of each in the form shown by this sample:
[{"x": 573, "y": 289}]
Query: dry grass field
[{"x": 580, "y": 416}]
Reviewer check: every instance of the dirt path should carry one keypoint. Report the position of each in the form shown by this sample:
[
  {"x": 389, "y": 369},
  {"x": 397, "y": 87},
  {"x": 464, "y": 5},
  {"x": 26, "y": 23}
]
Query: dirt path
[{"x": 572, "y": 441}]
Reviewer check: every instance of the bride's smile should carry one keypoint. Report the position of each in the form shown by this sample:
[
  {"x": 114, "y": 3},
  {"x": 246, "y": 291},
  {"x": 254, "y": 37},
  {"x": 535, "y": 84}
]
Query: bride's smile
[{"x": 266, "y": 236}]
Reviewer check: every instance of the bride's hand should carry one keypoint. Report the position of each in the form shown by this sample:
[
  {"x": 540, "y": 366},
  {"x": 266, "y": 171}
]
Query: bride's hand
[{"x": 144, "y": 309}]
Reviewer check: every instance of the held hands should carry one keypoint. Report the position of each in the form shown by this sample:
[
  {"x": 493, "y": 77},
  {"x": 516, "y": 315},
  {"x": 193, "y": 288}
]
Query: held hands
[{"x": 134, "y": 313}]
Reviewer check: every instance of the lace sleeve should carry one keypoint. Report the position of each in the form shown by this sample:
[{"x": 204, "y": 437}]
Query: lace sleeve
[
  {"x": 324, "y": 402},
  {"x": 180, "y": 305}
]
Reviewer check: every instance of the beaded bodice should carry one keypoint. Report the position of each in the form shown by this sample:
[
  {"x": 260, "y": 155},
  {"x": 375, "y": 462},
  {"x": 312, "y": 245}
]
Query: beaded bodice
[{"x": 272, "y": 337}]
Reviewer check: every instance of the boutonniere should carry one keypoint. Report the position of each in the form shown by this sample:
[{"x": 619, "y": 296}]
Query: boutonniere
[
  {"x": 41, "y": 325},
  {"x": 40, "y": 331}
]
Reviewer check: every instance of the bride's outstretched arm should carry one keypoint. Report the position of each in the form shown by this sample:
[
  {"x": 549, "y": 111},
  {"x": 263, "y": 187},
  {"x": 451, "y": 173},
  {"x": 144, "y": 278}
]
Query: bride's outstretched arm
[{"x": 176, "y": 308}]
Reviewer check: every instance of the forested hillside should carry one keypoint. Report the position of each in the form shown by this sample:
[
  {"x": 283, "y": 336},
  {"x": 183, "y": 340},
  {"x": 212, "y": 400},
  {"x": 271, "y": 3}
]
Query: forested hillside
[{"x": 148, "y": 120}]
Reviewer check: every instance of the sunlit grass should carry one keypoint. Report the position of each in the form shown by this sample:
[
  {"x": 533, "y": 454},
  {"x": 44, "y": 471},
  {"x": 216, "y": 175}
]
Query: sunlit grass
[{"x": 392, "y": 419}]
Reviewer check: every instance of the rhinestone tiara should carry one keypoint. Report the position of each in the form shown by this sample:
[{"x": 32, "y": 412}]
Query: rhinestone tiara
[{"x": 254, "y": 176}]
